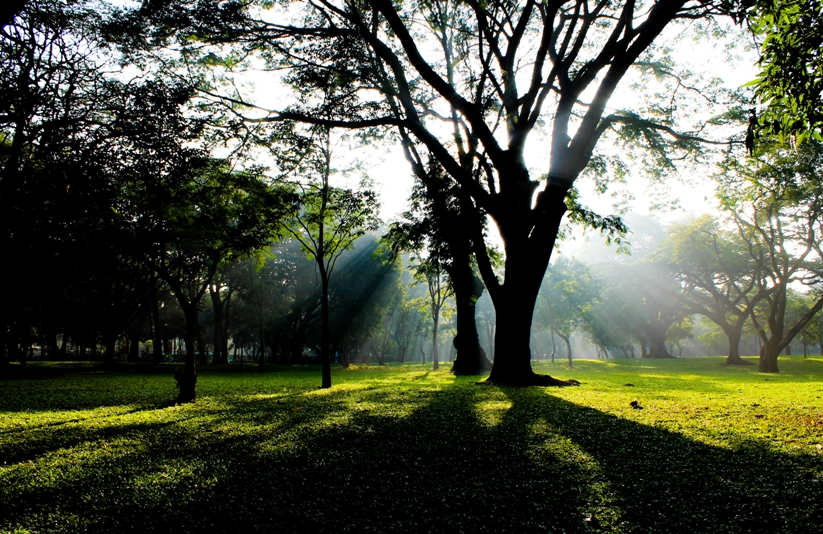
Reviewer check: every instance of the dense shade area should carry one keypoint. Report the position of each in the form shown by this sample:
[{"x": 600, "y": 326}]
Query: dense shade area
[{"x": 400, "y": 449}]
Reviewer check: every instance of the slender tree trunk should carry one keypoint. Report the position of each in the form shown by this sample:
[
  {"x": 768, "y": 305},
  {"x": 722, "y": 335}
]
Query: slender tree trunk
[
  {"x": 187, "y": 379},
  {"x": 134, "y": 348},
  {"x": 568, "y": 348},
  {"x": 325, "y": 357},
  {"x": 221, "y": 355},
  {"x": 201, "y": 347},
  {"x": 435, "y": 328},
  {"x": 108, "y": 357},
  {"x": 554, "y": 345}
]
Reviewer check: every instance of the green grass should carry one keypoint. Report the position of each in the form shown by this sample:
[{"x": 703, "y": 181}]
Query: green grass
[{"x": 404, "y": 449}]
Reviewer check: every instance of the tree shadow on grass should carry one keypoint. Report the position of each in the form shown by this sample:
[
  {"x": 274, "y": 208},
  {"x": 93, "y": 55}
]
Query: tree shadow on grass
[{"x": 458, "y": 459}]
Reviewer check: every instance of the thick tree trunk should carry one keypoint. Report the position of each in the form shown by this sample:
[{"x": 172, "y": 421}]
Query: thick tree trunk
[
  {"x": 768, "y": 358},
  {"x": 471, "y": 359},
  {"x": 528, "y": 251},
  {"x": 657, "y": 343},
  {"x": 734, "y": 358}
]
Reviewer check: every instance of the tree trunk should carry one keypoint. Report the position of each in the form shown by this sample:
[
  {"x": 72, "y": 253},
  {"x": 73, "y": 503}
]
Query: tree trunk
[
  {"x": 768, "y": 358},
  {"x": 108, "y": 357},
  {"x": 514, "y": 308},
  {"x": 471, "y": 359},
  {"x": 514, "y": 302},
  {"x": 568, "y": 348},
  {"x": 325, "y": 358},
  {"x": 261, "y": 362},
  {"x": 187, "y": 379},
  {"x": 221, "y": 353},
  {"x": 134, "y": 348},
  {"x": 657, "y": 343},
  {"x": 201, "y": 347},
  {"x": 435, "y": 328},
  {"x": 734, "y": 358}
]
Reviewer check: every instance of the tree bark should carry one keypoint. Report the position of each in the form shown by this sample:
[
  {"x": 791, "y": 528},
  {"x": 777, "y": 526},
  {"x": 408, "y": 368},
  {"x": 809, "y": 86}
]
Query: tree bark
[
  {"x": 261, "y": 362},
  {"x": 108, "y": 357},
  {"x": 734, "y": 358},
  {"x": 325, "y": 358},
  {"x": 656, "y": 337},
  {"x": 221, "y": 354},
  {"x": 471, "y": 359},
  {"x": 768, "y": 359},
  {"x": 187, "y": 378},
  {"x": 435, "y": 328}
]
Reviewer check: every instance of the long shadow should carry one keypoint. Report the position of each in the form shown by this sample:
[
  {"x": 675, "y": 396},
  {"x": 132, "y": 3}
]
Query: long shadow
[
  {"x": 319, "y": 463},
  {"x": 655, "y": 480}
]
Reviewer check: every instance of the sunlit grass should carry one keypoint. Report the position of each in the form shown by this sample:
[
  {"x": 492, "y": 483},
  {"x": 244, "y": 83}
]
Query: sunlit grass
[{"x": 404, "y": 448}]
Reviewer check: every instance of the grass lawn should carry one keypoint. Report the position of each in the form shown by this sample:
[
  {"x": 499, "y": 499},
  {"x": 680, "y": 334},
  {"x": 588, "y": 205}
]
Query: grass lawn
[{"x": 404, "y": 449}]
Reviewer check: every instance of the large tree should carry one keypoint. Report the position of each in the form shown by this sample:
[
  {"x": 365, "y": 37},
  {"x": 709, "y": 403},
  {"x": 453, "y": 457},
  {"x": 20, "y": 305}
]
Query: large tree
[{"x": 470, "y": 81}]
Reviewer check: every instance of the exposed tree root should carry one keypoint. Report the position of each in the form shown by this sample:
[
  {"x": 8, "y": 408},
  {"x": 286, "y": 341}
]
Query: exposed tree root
[{"x": 739, "y": 361}]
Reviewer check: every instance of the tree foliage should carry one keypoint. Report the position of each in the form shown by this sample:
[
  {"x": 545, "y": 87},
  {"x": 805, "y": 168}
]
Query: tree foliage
[{"x": 790, "y": 82}]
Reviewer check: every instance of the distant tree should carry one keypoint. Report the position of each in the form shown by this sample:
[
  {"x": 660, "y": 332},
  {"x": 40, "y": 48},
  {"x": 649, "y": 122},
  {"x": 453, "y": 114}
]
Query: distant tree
[
  {"x": 431, "y": 272},
  {"x": 329, "y": 221},
  {"x": 661, "y": 309},
  {"x": 717, "y": 275},
  {"x": 568, "y": 292}
]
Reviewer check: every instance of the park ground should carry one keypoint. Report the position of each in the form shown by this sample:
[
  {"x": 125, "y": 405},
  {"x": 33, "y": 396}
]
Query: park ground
[{"x": 404, "y": 449}]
